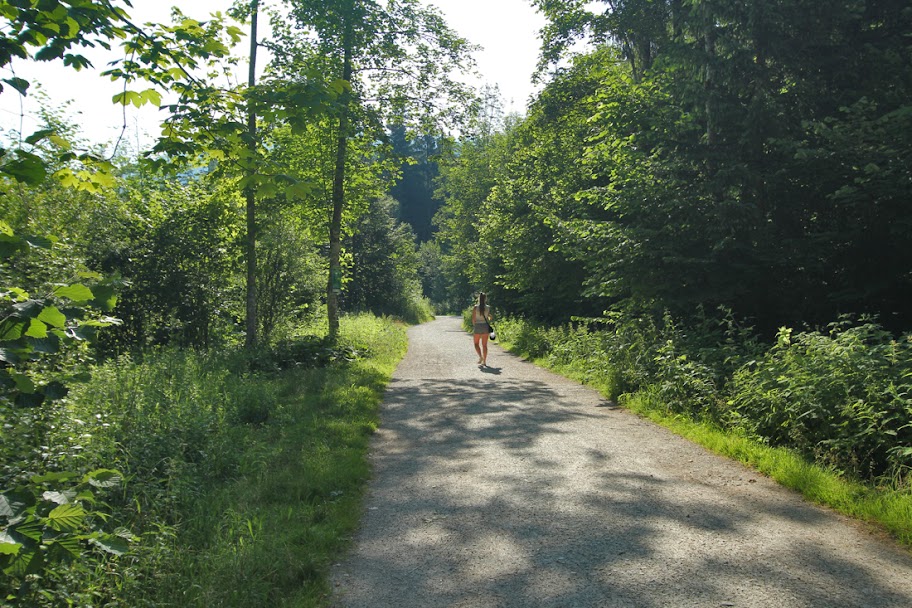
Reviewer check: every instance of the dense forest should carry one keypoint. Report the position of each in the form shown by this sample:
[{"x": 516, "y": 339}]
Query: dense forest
[
  {"x": 705, "y": 207},
  {"x": 744, "y": 154}
]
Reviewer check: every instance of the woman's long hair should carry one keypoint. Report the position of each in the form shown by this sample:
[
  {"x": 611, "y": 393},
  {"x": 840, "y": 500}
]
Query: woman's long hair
[{"x": 481, "y": 302}]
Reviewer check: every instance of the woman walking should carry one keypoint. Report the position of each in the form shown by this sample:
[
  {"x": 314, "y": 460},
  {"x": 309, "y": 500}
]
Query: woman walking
[{"x": 481, "y": 317}]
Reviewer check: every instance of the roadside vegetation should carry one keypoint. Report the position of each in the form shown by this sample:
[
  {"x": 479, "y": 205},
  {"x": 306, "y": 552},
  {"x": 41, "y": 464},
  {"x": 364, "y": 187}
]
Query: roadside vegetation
[
  {"x": 241, "y": 474},
  {"x": 828, "y": 414},
  {"x": 194, "y": 337}
]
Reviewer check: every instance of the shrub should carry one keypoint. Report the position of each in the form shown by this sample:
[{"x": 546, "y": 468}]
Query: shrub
[{"x": 844, "y": 398}]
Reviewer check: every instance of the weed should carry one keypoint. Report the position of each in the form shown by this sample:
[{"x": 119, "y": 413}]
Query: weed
[{"x": 241, "y": 483}]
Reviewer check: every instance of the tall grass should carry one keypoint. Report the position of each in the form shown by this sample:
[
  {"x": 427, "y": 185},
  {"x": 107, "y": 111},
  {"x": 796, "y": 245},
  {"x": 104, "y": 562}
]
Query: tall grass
[{"x": 242, "y": 485}]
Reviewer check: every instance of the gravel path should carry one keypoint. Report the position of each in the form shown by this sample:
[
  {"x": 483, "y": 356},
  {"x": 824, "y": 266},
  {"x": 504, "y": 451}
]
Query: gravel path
[{"x": 512, "y": 486}]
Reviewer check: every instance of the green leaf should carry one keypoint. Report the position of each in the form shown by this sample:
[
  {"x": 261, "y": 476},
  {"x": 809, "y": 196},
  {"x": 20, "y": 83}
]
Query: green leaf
[
  {"x": 24, "y": 563},
  {"x": 29, "y": 400},
  {"x": 53, "y": 317},
  {"x": 300, "y": 190},
  {"x": 110, "y": 543},
  {"x": 76, "y": 293},
  {"x": 55, "y": 390},
  {"x": 30, "y": 309},
  {"x": 102, "y": 322},
  {"x": 61, "y": 143},
  {"x": 105, "y": 297},
  {"x": 84, "y": 332},
  {"x": 66, "y": 518},
  {"x": 54, "y": 477},
  {"x": 15, "y": 293},
  {"x": 65, "y": 548},
  {"x": 7, "y": 545},
  {"x": 126, "y": 98},
  {"x": 40, "y": 242},
  {"x": 20, "y": 85},
  {"x": 10, "y": 245},
  {"x": 30, "y": 529},
  {"x": 37, "y": 136},
  {"x": 6, "y": 381},
  {"x": 12, "y": 329},
  {"x": 24, "y": 384},
  {"x": 103, "y": 177},
  {"x": 267, "y": 190},
  {"x": 104, "y": 478},
  {"x": 36, "y": 329},
  {"x": 28, "y": 168},
  {"x": 46, "y": 346},
  {"x": 60, "y": 498},
  {"x": 72, "y": 27},
  {"x": 150, "y": 96},
  {"x": 12, "y": 505}
]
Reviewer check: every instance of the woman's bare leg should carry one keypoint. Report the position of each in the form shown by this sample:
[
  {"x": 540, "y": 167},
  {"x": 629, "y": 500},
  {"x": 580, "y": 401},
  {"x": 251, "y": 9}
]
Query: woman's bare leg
[
  {"x": 484, "y": 349},
  {"x": 476, "y": 338}
]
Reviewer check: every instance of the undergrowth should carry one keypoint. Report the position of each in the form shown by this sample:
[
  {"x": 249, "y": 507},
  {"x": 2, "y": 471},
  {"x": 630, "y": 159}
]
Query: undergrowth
[{"x": 243, "y": 475}]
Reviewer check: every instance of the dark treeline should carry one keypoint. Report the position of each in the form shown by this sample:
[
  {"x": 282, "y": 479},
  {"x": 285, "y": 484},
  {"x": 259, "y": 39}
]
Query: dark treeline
[{"x": 751, "y": 155}]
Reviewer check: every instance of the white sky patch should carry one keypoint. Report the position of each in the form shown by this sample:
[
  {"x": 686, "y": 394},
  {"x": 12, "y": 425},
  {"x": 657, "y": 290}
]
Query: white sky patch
[{"x": 506, "y": 29}]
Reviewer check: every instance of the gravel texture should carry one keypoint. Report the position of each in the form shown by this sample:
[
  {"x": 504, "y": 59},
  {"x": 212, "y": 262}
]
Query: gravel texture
[{"x": 512, "y": 486}]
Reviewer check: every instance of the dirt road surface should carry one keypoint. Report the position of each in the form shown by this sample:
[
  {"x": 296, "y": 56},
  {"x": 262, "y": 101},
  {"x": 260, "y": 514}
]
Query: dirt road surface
[{"x": 512, "y": 486}]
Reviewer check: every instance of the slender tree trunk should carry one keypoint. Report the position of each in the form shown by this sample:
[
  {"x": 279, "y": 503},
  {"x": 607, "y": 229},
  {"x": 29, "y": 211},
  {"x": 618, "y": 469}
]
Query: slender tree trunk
[
  {"x": 709, "y": 85},
  {"x": 757, "y": 128},
  {"x": 250, "y": 190},
  {"x": 338, "y": 200},
  {"x": 628, "y": 46},
  {"x": 677, "y": 17}
]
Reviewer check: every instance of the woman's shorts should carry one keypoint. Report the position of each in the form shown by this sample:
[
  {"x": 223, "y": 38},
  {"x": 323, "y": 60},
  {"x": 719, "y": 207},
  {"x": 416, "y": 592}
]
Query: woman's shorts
[{"x": 480, "y": 328}]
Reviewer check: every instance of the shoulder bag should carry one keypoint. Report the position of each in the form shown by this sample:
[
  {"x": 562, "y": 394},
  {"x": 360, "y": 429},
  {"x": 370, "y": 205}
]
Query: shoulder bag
[{"x": 491, "y": 334}]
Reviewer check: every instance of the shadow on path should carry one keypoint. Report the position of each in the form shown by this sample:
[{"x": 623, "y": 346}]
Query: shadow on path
[{"x": 514, "y": 490}]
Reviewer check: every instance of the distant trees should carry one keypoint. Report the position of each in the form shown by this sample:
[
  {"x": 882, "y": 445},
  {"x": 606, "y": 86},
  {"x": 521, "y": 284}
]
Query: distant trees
[
  {"x": 396, "y": 64},
  {"x": 384, "y": 263},
  {"x": 415, "y": 190}
]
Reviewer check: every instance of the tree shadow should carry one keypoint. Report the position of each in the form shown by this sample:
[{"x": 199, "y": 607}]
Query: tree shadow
[{"x": 483, "y": 486}]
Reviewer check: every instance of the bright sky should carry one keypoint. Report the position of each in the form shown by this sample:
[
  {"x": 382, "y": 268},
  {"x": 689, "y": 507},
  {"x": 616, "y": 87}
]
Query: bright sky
[{"x": 506, "y": 29}]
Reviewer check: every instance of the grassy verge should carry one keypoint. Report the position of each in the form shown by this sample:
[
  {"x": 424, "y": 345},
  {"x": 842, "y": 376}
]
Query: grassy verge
[
  {"x": 886, "y": 508},
  {"x": 243, "y": 487},
  {"x": 268, "y": 537}
]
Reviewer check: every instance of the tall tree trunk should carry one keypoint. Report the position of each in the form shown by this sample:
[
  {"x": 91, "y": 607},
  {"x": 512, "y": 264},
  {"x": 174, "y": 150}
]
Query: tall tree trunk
[
  {"x": 338, "y": 199},
  {"x": 709, "y": 85},
  {"x": 250, "y": 190},
  {"x": 758, "y": 128},
  {"x": 677, "y": 18}
]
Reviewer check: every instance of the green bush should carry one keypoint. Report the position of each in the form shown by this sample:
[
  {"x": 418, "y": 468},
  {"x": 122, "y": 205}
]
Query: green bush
[
  {"x": 843, "y": 398},
  {"x": 417, "y": 310}
]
